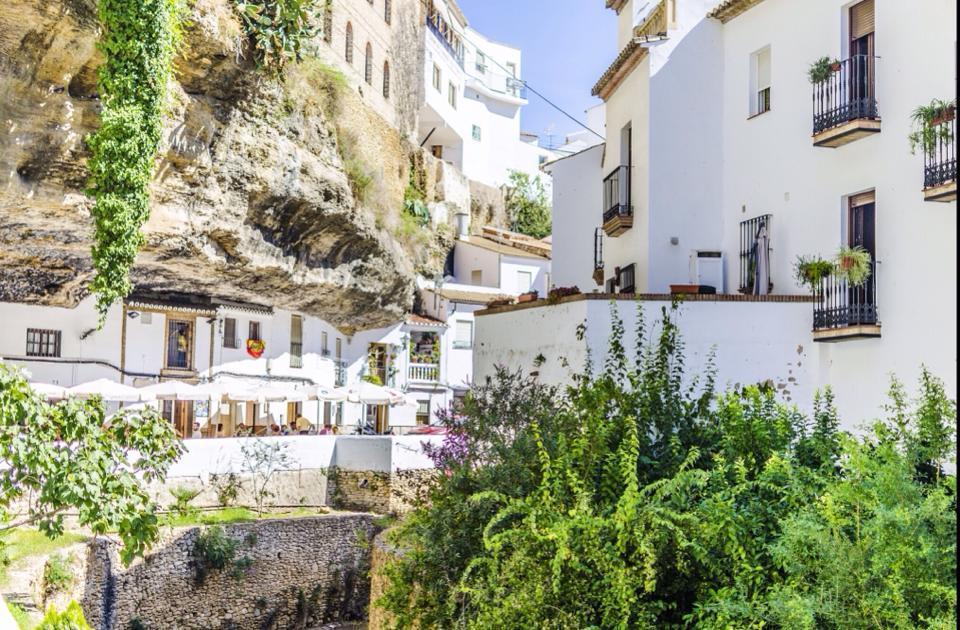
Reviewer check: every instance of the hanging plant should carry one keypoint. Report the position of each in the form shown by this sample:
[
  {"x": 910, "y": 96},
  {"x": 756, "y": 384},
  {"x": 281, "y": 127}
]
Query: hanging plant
[
  {"x": 853, "y": 265},
  {"x": 809, "y": 271},
  {"x": 138, "y": 41},
  {"x": 928, "y": 127},
  {"x": 821, "y": 69},
  {"x": 255, "y": 347}
]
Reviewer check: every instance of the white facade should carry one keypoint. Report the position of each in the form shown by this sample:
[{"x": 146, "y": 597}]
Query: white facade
[
  {"x": 473, "y": 96},
  {"x": 683, "y": 117}
]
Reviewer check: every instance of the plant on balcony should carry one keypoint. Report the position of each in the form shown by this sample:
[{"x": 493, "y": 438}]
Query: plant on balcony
[
  {"x": 372, "y": 378},
  {"x": 927, "y": 125},
  {"x": 853, "y": 265},
  {"x": 810, "y": 270},
  {"x": 529, "y": 296},
  {"x": 821, "y": 69},
  {"x": 561, "y": 292}
]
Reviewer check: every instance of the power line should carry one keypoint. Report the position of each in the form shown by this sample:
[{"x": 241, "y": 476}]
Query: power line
[{"x": 559, "y": 109}]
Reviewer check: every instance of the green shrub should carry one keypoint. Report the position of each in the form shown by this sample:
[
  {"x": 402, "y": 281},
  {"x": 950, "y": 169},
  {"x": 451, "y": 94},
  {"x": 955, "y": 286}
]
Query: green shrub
[
  {"x": 57, "y": 575},
  {"x": 227, "y": 487},
  {"x": 278, "y": 30},
  {"x": 214, "y": 551},
  {"x": 70, "y": 619},
  {"x": 183, "y": 496}
]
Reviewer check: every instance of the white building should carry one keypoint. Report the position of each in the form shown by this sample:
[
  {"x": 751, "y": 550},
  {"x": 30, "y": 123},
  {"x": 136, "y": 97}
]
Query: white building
[
  {"x": 472, "y": 99},
  {"x": 713, "y": 127}
]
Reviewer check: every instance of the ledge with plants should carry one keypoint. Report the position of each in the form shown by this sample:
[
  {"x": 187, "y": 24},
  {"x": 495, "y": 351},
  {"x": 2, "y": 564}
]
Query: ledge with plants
[
  {"x": 851, "y": 264},
  {"x": 928, "y": 125},
  {"x": 822, "y": 69}
]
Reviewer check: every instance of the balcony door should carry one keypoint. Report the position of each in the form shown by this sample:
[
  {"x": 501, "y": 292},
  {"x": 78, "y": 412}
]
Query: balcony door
[
  {"x": 862, "y": 53},
  {"x": 862, "y": 232}
]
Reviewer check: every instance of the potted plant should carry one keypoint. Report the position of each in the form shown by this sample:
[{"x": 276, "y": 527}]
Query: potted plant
[
  {"x": 529, "y": 296},
  {"x": 821, "y": 69},
  {"x": 560, "y": 292},
  {"x": 810, "y": 270},
  {"x": 928, "y": 125},
  {"x": 853, "y": 265}
]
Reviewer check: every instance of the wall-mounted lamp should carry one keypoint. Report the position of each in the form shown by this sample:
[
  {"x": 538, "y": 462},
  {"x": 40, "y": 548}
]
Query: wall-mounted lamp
[{"x": 674, "y": 240}]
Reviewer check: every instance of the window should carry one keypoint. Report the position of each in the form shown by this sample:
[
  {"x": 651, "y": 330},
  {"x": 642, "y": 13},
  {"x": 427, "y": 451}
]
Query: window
[
  {"x": 43, "y": 343},
  {"x": 179, "y": 344},
  {"x": 524, "y": 281},
  {"x": 387, "y": 11},
  {"x": 476, "y": 133},
  {"x": 452, "y": 95},
  {"x": 296, "y": 341},
  {"x": 423, "y": 412},
  {"x": 386, "y": 79},
  {"x": 512, "y": 69},
  {"x": 542, "y": 160},
  {"x": 436, "y": 151},
  {"x": 328, "y": 23},
  {"x": 753, "y": 233},
  {"x": 230, "y": 333},
  {"x": 626, "y": 279},
  {"x": 463, "y": 334},
  {"x": 324, "y": 346},
  {"x": 253, "y": 330},
  {"x": 368, "y": 64},
  {"x": 760, "y": 82},
  {"x": 339, "y": 348},
  {"x": 476, "y": 277},
  {"x": 348, "y": 46},
  {"x": 437, "y": 77},
  {"x": 481, "y": 62}
]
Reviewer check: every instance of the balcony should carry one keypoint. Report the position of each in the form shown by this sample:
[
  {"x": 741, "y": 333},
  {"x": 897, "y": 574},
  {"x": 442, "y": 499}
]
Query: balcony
[
  {"x": 423, "y": 373},
  {"x": 841, "y": 311},
  {"x": 940, "y": 160},
  {"x": 444, "y": 32},
  {"x": 598, "y": 256},
  {"x": 845, "y": 103},
  {"x": 617, "y": 211},
  {"x": 340, "y": 373}
]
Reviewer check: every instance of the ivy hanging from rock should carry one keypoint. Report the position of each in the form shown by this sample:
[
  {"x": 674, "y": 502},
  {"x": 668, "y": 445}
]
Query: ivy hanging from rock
[{"x": 138, "y": 42}]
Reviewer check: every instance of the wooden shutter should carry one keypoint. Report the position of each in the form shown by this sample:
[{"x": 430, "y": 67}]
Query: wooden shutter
[
  {"x": 861, "y": 19},
  {"x": 862, "y": 199}
]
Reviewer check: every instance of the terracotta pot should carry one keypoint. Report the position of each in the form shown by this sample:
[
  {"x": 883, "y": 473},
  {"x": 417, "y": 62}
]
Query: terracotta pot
[
  {"x": 947, "y": 115},
  {"x": 846, "y": 263},
  {"x": 684, "y": 288},
  {"x": 527, "y": 297},
  {"x": 835, "y": 67}
]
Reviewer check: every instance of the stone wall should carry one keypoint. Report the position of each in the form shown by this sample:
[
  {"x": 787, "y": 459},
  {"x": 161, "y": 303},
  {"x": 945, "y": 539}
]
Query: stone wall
[
  {"x": 381, "y": 554},
  {"x": 487, "y": 207},
  {"x": 321, "y": 562},
  {"x": 384, "y": 493}
]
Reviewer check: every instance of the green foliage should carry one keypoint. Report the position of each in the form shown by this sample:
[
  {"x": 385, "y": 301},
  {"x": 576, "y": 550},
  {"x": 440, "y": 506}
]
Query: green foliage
[
  {"x": 69, "y": 456},
  {"x": 821, "y": 69},
  {"x": 214, "y": 551},
  {"x": 810, "y": 270},
  {"x": 925, "y": 133},
  {"x": 853, "y": 265},
  {"x": 136, "y": 624},
  {"x": 262, "y": 460},
  {"x": 278, "y": 30},
  {"x": 372, "y": 378},
  {"x": 138, "y": 42},
  {"x": 20, "y": 616},
  {"x": 527, "y": 205},
  {"x": 227, "y": 487},
  {"x": 70, "y": 619},
  {"x": 359, "y": 175},
  {"x": 638, "y": 499},
  {"x": 57, "y": 575},
  {"x": 182, "y": 496}
]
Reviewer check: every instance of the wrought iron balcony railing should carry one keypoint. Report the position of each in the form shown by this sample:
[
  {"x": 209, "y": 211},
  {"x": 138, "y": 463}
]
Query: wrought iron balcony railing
[
  {"x": 616, "y": 194},
  {"x": 849, "y": 93},
  {"x": 839, "y": 305},
  {"x": 940, "y": 159},
  {"x": 296, "y": 354}
]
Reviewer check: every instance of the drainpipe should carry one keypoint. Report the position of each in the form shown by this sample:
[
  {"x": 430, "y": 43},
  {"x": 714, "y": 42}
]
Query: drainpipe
[{"x": 123, "y": 342}]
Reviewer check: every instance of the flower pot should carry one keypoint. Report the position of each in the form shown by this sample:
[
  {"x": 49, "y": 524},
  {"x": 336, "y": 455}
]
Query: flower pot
[
  {"x": 835, "y": 67},
  {"x": 684, "y": 288},
  {"x": 527, "y": 297},
  {"x": 945, "y": 116},
  {"x": 846, "y": 263}
]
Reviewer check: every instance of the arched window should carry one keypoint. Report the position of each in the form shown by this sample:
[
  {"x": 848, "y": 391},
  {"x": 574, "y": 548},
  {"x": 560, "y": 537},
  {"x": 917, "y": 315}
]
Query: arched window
[
  {"x": 386, "y": 79},
  {"x": 348, "y": 53},
  {"x": 386, "y": 10},
  {"x": 368, "y": 65},
  {"x": 328, "y": 23}
]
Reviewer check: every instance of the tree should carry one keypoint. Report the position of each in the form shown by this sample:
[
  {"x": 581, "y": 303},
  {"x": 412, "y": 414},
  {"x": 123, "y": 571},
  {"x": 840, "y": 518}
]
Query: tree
[
  {"x": 527, "y": 205},
  {"x": 262, "y": 460},
  {"x": 71, "y": 457}
]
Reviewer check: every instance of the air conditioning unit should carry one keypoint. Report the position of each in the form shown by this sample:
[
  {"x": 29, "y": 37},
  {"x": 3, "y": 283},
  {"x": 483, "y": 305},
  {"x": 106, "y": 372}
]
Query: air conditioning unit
[{"x": 706, "y": 268}]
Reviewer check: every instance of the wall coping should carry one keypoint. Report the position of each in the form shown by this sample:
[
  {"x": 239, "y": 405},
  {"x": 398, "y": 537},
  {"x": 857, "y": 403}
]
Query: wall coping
[{"x": 649, "y": 297}]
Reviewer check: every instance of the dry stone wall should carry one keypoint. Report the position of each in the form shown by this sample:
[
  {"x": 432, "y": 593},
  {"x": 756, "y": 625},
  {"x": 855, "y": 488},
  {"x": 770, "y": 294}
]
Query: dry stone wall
[{"x": 302, "y": 573}]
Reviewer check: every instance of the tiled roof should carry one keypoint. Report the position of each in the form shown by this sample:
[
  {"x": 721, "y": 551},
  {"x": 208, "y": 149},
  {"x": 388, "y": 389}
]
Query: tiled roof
[
  {"x": 421, "y": 320},
  {"x": 503, "y": 248},
  {"x": 729, "y": 9},
  {"x": 625, "y": 62}
]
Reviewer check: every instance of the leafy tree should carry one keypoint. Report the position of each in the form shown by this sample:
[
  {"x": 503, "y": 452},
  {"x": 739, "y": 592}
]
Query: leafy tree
[
  {"x": 71, "y": 457},
  {"x": 70, "y": 619},
  {"x": 527, "y": 207},
  {"x": 637, "y": 498}
]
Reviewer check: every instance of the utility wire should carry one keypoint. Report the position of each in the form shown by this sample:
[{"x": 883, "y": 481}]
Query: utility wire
[{"x": 559, "y": 109}]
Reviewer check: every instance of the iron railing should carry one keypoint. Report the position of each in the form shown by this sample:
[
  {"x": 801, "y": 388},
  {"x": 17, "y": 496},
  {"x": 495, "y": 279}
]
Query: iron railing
[
  {"x": 423, "y": 372},
  {"x": 598, "y": 249},
  {"x": 748, "y": 237},
  {"x": 340, "y": 373},
  {"x": 837, "y": 304},
  {"x": 616, "y": 194},
  {"x": 296, "y": 354},
  {"x": 440, "y": 28},
  {"x": 847, "y": 94},
  {"x": 940, "y": 160}
]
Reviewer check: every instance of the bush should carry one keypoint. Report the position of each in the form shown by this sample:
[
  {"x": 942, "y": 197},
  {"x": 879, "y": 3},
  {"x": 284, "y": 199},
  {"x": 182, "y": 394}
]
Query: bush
[
  {"x": 214, "y": 551},
  {"x": 227, "y": 487},
  {"x": 57, "y": 575},
  {"x": 636, "y": 499},
  {"x": 278, "y": 30},
  {"x": 182, "y": 496},
  {"x": 70, "y": 619}
]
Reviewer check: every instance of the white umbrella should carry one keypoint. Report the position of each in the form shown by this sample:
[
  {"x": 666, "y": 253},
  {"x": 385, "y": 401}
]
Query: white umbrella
[
  {"x": 49, "y": 391},
  {"x": 267, "y": 393},
  {"x": 177, "y": 390},
  {"x": 327, "y": 394},
  {"x": 110, "y": 390},
  {"x": 370, "y": 394}
]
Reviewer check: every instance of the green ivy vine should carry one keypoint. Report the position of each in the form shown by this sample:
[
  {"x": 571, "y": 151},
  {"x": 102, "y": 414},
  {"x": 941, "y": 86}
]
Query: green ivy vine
[{"x": 138, "y": 42}]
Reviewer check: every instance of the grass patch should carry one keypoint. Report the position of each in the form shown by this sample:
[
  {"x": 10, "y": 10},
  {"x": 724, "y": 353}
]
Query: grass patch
[
  {"x": 226, "y": 516},
  {"x": 24, "y": 622}
]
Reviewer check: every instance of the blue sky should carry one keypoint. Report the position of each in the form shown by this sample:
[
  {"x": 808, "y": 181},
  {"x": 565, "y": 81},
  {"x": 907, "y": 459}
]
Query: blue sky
[{"x": 567, "y": 44}]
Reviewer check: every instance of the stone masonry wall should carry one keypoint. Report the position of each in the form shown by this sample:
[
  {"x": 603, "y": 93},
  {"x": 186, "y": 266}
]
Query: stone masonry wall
[
  {"x": 302, "y": 573},
  {"x": 378, "y": 492}
]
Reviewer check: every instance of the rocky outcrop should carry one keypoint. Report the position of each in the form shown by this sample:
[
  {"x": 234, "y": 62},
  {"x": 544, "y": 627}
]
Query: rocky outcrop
[{"x": 250, "y": 200}]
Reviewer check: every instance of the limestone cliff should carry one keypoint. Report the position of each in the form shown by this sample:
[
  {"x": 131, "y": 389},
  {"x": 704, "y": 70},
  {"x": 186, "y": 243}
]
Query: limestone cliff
[{"x": 250, "y": 199}]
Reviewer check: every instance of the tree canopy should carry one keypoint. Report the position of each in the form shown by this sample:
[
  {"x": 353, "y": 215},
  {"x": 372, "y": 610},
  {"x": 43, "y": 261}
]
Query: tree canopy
[{"x": 527, "y": 205}]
